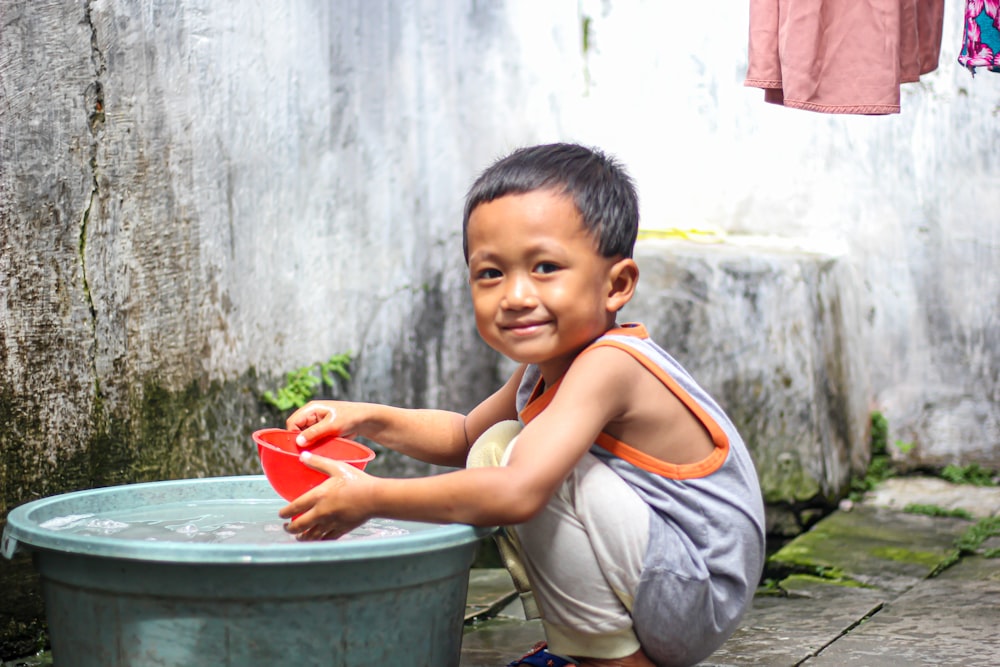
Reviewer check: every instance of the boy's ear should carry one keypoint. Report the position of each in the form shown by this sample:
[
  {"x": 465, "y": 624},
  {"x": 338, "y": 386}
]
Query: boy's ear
[{"x": 623, "y": 277}]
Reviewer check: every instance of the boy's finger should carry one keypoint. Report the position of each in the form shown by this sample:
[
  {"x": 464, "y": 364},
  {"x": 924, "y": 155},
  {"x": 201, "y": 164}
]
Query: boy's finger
[
  {"x": 331, "y": 467},
  {"x": 304, "y": 416},
  {"x": 321, "y": 463},
  {"x": 320, "y": 420},
  {"x": 305, "y": 529},
  {"x": 296, "y": 509},
  {"x": 311, "y": 533}
]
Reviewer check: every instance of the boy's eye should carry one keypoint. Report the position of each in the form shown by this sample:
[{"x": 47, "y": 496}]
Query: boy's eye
[
  {"x": 546, "y": 267},
  {"x": 488, "y": 274}
]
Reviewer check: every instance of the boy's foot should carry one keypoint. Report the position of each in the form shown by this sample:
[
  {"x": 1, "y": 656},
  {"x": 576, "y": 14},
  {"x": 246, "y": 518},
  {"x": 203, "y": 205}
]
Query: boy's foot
[
  {"x": 540, "y": 657},
  {"x": 637, "y": 659}
]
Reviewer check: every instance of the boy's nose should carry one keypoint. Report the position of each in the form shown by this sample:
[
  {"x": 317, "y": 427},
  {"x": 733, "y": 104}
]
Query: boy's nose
[{"x": 519, "y": 294}]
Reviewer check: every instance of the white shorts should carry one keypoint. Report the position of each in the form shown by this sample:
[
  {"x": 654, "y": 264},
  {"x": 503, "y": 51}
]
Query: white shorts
[{"x": 583, "y": 553}]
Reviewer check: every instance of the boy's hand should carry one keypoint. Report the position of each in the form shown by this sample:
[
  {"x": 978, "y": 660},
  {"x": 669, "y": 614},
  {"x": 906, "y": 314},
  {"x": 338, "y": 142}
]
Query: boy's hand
[
  {"x": 315, "y": 419},
  {"x": 333, "y": 508}
]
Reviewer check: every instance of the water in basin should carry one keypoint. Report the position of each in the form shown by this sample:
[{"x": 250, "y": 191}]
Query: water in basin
[{"x": 229, "y": 521}]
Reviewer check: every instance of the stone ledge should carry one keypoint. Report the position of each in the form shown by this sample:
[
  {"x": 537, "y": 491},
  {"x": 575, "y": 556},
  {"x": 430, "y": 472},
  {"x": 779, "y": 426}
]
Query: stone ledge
[
  {"x": 898, "y": 492},
  {"x": 774, "y": 331}
]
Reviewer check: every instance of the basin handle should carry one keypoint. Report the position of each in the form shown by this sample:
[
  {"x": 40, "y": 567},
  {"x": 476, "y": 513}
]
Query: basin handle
[{"x": 9, "y": 546}]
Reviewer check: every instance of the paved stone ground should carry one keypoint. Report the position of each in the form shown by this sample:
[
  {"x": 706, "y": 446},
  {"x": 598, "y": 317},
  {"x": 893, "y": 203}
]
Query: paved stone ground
[{"x": 867, "y": 586}]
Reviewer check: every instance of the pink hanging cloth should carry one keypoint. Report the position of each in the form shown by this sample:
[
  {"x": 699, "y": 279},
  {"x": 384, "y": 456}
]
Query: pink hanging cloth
[{"x": 842, "y": 56}]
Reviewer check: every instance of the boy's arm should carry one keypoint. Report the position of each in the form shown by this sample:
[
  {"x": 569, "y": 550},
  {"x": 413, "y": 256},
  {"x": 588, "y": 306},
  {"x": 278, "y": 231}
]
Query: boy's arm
[
  {"x": 434, "y": 436},
  {"x": 593, "y": 392}
]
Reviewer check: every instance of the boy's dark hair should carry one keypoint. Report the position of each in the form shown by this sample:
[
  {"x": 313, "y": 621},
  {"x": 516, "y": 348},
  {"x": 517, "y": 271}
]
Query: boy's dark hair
[{"x": 601, "y": 189}]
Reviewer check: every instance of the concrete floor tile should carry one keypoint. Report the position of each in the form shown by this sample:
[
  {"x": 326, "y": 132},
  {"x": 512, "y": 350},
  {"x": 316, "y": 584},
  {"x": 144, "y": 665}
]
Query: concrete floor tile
[
  {"x": 496, "y": 642},
  {"x": 882, "y": 612},
  {"x": 490, "y": 590},
  {"x": 784, "y": 631},
  {"x": 875, "y": 546},
  {"x": 941, "y": 621}
]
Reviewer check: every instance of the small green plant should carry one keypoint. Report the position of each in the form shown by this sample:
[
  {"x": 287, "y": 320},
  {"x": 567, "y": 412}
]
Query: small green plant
[
  {"x": 974, "y": 536},
  {"x": 771, "y": 588},
  {"x": 880, "y": 466},
  {"x": 337, "y": 365},
  {"x": 970, "y": 474},
  {"x": 880, "y": 434},
  {"x": 904, "y": 447},
  {"x": 969, "y": 542},
  {"x": 937, "y": 510},
  {"x": 301, "y": 384}
]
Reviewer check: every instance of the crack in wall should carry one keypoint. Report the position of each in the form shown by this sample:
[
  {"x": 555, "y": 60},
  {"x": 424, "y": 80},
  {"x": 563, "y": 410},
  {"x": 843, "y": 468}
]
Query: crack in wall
[
  {"x": 95, "y": 91},
  {"x": 94, "y": 105}
]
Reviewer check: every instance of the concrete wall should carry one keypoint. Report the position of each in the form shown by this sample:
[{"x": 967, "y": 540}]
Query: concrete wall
[
  {"x": 910, "y": 200},
  {"x": 197, "y": 194},
  {"x": 774, "y": 334},
  {"x": 196, "y": 197}
]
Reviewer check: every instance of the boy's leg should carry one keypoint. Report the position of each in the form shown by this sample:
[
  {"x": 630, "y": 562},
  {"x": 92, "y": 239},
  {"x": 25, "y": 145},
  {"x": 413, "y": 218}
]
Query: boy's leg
[
  {"x": 584, "y": 554},
  {"x": 492, "y": 449}
]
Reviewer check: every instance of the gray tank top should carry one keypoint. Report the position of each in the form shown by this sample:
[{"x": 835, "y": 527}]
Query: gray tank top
[{"x": 706, "y": 541}]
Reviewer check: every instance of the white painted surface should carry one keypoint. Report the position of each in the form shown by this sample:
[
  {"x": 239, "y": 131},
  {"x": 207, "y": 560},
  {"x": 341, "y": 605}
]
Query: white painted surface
[
  {"x": 277, "y": 182},
  {"x": 915, "y": 197}
]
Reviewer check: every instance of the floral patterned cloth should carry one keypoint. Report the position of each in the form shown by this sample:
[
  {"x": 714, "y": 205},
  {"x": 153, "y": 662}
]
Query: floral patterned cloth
[{"x": 981, "y": 42}]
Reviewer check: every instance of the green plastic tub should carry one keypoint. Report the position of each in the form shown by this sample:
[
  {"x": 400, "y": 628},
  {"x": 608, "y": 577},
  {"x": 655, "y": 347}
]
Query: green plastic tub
[{"x": 233, "y": 595}]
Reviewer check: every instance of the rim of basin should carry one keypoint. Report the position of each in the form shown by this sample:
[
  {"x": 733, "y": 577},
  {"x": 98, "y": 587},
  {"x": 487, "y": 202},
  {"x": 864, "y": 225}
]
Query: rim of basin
[{"x": 23, "y": 529}]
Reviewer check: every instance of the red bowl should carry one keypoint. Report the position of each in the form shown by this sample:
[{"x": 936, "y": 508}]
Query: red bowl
[{"x": 279, "y": 457}]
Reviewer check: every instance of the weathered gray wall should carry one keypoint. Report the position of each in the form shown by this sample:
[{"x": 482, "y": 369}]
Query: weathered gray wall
[
  {"x": 912, "y": 200},
  {"x": 196, "y": 197}
]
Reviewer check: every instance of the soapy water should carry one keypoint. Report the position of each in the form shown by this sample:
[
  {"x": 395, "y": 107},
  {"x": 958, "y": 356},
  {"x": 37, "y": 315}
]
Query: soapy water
[{"x": 204, "y": 521}]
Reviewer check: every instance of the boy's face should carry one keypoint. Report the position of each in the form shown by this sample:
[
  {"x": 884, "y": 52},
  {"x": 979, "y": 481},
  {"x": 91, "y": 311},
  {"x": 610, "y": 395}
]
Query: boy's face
[{"x": 540, "y": 289}]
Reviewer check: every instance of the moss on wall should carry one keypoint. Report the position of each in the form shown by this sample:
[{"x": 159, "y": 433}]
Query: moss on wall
[{"x": 198, "y": 431}]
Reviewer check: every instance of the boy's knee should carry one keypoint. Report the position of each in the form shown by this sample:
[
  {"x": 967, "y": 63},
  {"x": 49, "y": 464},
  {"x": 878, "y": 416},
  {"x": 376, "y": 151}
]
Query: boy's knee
[{"x": 490, "y": 447}]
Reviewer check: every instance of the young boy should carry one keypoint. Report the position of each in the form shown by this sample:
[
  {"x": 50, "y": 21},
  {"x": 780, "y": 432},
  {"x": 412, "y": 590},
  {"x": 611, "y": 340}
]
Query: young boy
[{"x": 631, "y": 501}]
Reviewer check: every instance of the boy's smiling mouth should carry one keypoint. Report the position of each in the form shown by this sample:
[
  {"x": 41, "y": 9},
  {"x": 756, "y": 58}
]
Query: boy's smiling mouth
[{"x": 523, "y": 328}]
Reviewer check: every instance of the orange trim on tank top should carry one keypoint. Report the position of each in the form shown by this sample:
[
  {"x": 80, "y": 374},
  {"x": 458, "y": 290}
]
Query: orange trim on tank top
[{"x": 540, "y": 400}]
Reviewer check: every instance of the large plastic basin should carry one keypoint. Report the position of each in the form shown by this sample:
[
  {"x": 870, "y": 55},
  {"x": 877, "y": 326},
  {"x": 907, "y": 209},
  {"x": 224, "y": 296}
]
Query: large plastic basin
[{"x": 114, "y": 602}]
